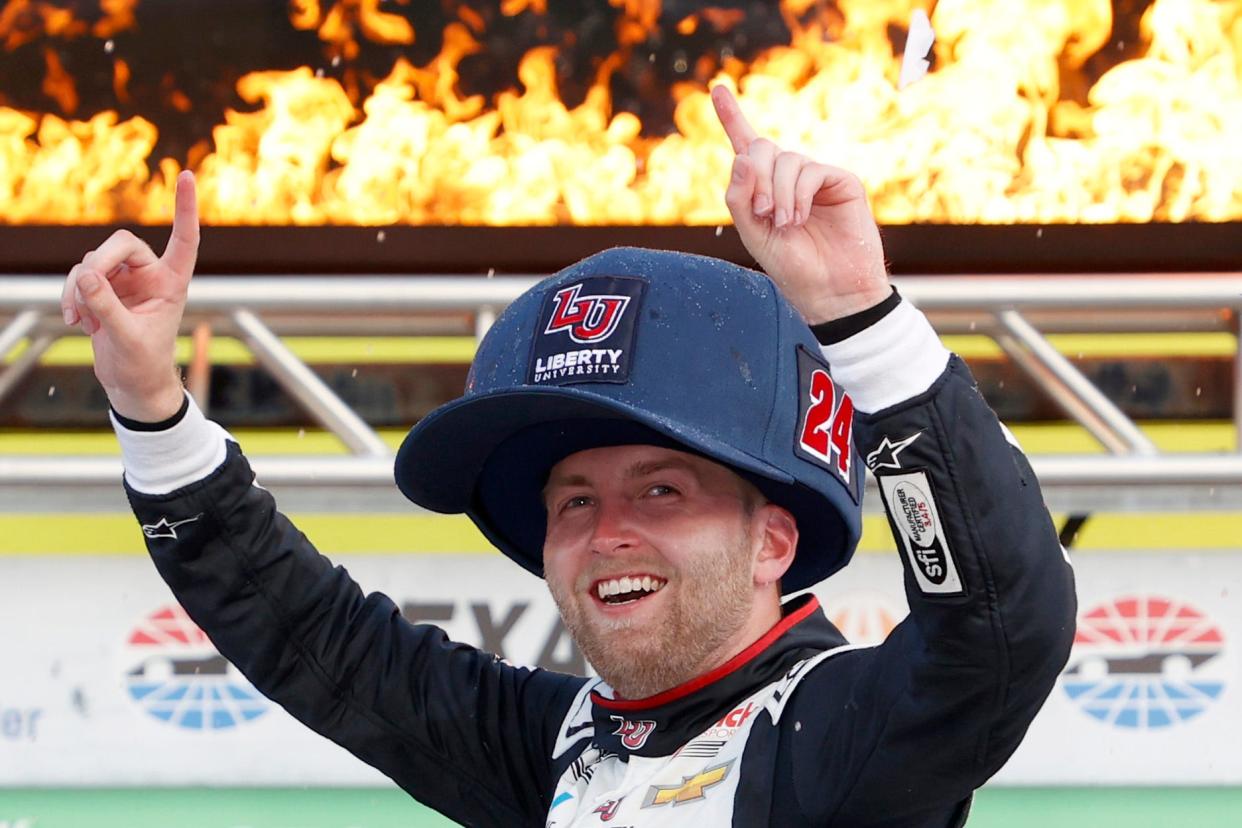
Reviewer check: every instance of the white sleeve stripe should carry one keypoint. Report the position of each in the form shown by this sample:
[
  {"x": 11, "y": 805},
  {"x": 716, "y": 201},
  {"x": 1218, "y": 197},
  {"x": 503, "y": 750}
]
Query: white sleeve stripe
[
  {"x": 159, "y": 462},
  {"x": 895, "y": 359}
]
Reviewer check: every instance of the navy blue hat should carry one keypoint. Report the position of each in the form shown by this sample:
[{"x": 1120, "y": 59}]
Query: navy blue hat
[{"x": 634, "y": 346}]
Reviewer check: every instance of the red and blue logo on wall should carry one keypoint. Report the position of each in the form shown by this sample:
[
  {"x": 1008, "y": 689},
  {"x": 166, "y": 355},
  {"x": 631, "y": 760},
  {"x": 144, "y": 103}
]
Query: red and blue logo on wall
[
  {"x": 1145, "y": 662},
  {"x": 179, "y": 678}
]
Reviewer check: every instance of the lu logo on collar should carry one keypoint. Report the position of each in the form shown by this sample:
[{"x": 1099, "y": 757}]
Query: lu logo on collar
[{"x": 586, "y": 332}]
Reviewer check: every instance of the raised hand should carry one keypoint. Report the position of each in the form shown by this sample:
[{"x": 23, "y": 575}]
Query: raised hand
[
  {"x": 130, "y": 302},
  {"x": 807, "y": 224}
]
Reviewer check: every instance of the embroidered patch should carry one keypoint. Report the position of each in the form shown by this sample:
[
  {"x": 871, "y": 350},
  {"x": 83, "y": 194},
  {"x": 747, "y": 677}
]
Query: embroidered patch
[
  {"x": 825, "y": 418},
  {"x": 608, "y": 810},
  {"x": 586, "y": 332},
  {"x": 690, "y": 788},
  {"x": 910, "y": 502},
  {"x": 633, "y": 732},
  {"x": 163, "y": 529},
  {"x": 885, "y": 455}
]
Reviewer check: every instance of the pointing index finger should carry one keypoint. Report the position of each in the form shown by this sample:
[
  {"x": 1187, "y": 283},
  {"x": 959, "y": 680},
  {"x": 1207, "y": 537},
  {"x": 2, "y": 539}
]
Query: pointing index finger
[
  {"x": 182, "y": 249},
  {"x": 739, "y": 130}
]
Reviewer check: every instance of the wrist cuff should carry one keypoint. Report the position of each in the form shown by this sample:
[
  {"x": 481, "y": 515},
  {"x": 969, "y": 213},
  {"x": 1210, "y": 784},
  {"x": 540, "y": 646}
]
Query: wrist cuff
[
  {"x": 830, "y": 333},
  {"x": 159, "y": 462},
  {"x": 891, "y": 361},
  {"x": 138, "y": 425}
]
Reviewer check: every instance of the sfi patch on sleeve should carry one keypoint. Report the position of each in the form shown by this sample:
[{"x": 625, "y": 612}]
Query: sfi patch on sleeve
[
  {"x": 825, "y": 419},
  {"x": 911, "y": 504},
  {"x": 586, "y": 332}
]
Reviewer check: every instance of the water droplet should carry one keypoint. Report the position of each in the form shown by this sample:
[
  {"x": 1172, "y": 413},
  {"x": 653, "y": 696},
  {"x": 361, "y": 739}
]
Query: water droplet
[
  {"x": 301, "y": 433},
  {"x": 1000, "y": 384},
  {"x": 719, "y": 230},
  {"x": 491, "y": 271},
  {"x": 797, "y": 726},
  {"x": 1198, "y": 390},
  {"x": 380, "y": 236},
  {"x": 354, "y": 373},
  {"x": 973, "y": 325},
  {"x": 109, "y": 45},
  {"x": 1039, "y": 234},
  {"x": 651, "y": 57},
  {"x": 1121, "y": 44},
  {"x": 336, "y": 61},
  {"x": 51, "y": 390},
  {"x": 319, "y": 72}
]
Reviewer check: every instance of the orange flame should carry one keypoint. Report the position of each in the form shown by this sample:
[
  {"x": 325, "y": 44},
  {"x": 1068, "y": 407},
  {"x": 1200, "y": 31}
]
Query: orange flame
[{"x": 989, "y": 135}]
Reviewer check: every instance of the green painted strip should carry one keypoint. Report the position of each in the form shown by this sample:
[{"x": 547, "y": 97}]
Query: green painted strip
[
  {"x": 1206, "y": 807},
  {"x": 338, "y": 350},
  {"x": 215, "y": 808},
  {"x": 995, "y": 807}
]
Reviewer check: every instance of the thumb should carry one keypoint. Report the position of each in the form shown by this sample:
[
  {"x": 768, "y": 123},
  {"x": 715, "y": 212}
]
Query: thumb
[
  {"x": 740, "y": 196},
  {"x": 100, "y": 299}
]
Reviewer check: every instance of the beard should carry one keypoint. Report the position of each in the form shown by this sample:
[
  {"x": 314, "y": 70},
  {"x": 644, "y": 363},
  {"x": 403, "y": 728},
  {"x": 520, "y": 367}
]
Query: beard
[{"x": 711, "y": 599}]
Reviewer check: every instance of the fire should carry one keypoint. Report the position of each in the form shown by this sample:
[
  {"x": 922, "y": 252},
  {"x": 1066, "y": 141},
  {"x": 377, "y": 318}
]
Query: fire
[{"x": 990, "y": 135}]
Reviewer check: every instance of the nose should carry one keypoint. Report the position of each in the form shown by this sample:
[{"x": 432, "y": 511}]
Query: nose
[{"x": 614, "y": 527}]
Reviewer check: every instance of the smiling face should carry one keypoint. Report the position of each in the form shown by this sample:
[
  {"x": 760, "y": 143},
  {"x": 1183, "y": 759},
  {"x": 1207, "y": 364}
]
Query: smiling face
[{"x": 663, "y": 564}]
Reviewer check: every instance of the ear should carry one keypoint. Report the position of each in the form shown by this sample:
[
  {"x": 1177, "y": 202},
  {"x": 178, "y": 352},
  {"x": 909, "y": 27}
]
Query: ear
[{"x": 777, "y": 539}]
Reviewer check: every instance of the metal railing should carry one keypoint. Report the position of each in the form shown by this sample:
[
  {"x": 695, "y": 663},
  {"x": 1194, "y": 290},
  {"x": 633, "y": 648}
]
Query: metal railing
[{"x": 1016, "y": 311}]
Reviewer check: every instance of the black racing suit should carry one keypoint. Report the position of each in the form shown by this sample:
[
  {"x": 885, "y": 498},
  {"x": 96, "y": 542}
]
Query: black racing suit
[{"x": 800, "y": 729}]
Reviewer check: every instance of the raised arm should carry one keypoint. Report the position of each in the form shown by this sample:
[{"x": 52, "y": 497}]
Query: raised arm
[
  {"x": 903, "y": 733},
  {"x": 458, "y": 729}
]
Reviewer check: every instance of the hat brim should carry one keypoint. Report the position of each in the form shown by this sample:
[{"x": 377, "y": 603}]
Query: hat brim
[{"x": 442, "y": 461}]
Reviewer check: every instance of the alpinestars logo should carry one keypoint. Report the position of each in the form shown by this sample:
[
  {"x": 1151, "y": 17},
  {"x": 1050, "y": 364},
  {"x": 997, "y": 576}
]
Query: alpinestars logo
[
  {"x": 885, "y": 455},
  {"x": 163, "y": 529},
  {"x": 589, "y": 319},
  {"x": 633, "y": 732},
  {"x": 1145, "y": 662}
]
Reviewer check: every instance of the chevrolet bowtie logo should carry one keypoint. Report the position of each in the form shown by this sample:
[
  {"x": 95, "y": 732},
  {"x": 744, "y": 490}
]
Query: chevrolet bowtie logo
[
  {"x": 690, "y": 789},
  {"x": 163, "y": 529}
]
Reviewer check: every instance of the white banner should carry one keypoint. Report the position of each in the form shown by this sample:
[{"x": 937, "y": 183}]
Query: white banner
[{"x": 105, "y": 682}]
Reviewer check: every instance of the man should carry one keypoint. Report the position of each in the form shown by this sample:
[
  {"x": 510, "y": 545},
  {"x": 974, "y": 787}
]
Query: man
[{"x": 661, "y": 438}]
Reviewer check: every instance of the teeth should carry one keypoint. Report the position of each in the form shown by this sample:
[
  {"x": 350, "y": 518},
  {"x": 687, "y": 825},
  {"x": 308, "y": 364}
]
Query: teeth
[{"x": 618, "y": 586}]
